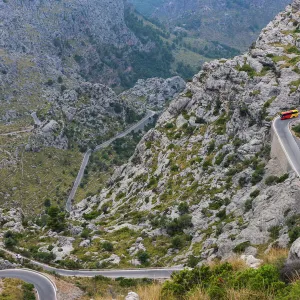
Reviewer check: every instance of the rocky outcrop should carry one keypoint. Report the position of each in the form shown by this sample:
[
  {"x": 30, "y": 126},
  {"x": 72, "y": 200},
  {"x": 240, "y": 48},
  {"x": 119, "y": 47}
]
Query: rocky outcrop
[
  {"x": 154, "y": 92},
  {"x": 5, "y": 264},
  {"x": 296, "y": 4},
  {"x": 294, "y": 253},
  {"x": 12, "y": 220},
  {"x": 93, "y": 113}
]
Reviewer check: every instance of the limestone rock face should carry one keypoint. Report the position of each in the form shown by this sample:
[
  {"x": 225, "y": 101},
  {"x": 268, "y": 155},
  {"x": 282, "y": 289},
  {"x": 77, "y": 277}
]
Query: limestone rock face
[
  {"x": 294, "y": 254},
  {"x": 296, "y": 4},
  {"x": 154, "y": 92}
]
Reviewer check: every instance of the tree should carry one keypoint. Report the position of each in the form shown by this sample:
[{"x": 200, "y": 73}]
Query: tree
[
  {"x": 56, "y": 219},
  {"x": 143, "y": 257}
]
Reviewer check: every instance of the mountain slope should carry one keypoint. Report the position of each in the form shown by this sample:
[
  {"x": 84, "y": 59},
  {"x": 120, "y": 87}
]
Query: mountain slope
[
  {"x": 232, "y": 22},
  {"x": 203, "y": 181},
  {"x": 48, "y": 47}
]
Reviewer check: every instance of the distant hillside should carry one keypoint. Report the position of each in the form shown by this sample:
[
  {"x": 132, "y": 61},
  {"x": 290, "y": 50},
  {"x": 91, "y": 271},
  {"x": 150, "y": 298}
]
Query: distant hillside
[{"x": 235, "y": 23}]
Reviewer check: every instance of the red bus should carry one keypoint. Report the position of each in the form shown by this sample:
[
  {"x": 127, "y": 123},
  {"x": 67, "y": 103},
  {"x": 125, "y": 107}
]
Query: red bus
[{"x": 289, "y": 114}]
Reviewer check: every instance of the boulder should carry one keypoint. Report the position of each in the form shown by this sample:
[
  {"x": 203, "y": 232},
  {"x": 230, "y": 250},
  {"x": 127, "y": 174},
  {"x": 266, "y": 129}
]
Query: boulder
[
  {"x": 5, "y": 264},
  {"x": 294, "y": 254},
  {"x": 251, "y": 261},
  {"x": 132, "y": 296}
]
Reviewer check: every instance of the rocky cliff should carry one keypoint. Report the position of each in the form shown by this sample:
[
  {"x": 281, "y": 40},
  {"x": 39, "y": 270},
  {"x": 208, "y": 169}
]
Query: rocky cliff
[{"x": 202, "y": 182}]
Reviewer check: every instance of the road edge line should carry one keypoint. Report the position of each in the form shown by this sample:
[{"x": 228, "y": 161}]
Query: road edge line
[
  {"x": 283, "y": 148},
  {"x": 43, "y": 275}
]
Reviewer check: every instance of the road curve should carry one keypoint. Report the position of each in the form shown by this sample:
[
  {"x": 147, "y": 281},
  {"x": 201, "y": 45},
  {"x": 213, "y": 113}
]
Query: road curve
[
  {"x": 287, "y": 142},
  {"x": 45, "y": 288},
  {"x": 151, "y": 273},
  {"x": 87, "y": 155}
]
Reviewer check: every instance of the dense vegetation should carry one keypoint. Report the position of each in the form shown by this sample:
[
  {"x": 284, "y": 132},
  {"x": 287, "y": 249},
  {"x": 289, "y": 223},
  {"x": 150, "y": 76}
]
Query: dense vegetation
[
  {"x": 154, "y": 63},
  {"x": 222, "y": 281}
]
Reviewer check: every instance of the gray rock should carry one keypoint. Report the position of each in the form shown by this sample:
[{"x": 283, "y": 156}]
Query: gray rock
[
  {"x": 294, "y": 253},
  {"x": 251, "y": 261},
  {"x": 132, "y": 296},
  {"x": 5, "y": 264},
  {"x": 85, "y": 243}
]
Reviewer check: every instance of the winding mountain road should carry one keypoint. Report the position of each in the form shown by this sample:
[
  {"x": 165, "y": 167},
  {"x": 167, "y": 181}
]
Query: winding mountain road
[
  {"x": 45, "y": 288},
  {"x": 288, "y": 143},
  {"x": 139, "y": 125}
]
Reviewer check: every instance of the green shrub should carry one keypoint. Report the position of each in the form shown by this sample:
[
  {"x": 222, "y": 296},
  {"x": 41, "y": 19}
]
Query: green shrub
[
  {"x": 255, "y": 193},
  {"x": 126, "y": 282},
  {"x": 28, "y": 291},
  {"x": 216, "y": 292},
  {"x": 44, "y": 256},
  {"x": 248, "y": 69},
  {"x": 56, "y": 220},
  {"x": 270, "y": 180},
  {"x": 178, "y": 242},
  {"x": 241, "y": 247},
  {"x": 257, "y": 175},
  {"x": 274, "y": 232},
  {"x": 211, "y": 147},
  {"x": 200, "y": 120},
  {"x": 221, "y": 214},
  {"x": 85, "y": 233},
  {"x": 283, "y": 178},
  {"x": 215, "y": 281},
  {"x": 297, "y": 128},
  {"x": 183, "y": 208},
  {"x": 294, "y": 234},
  {"x": 293, "y": 49},
  {"x": 10, "y": 242},
  {"x": 108, "y": 246},
  {"x": 248, "y": 205},
  {"x": 92, "y": 215},
  {"x": 216, "y": 203},
  {"x": 169, "y": 125},
  {"x": 189, "y": 94},
  {"x": 192, "y": 261},
  {"x": 143, "y": 257},
  {"x": 206, "y": 164},
  {"x": 219, "y": 158},
  {"x": 177, "y": 225},
  {"x": 262, "y": 279},
  {"x": 70, "y": 264}
]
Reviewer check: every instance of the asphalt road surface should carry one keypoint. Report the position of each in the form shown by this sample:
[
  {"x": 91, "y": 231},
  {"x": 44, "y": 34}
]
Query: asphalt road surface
[
  {"x": 46, "y": 290},
  {"x": 45, "y": 287},
  {"x": 288, "y": 143},
  {"x": 139, "y": 125}
]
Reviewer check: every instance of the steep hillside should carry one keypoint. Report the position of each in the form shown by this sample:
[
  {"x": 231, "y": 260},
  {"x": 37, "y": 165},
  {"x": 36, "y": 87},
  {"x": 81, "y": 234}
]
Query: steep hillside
[
  {"x": 203, "y": 182},
  {"x": 231, "y": 22},
  {"x": 48, "y": 47},
  {"x": 38, "y": 164}
]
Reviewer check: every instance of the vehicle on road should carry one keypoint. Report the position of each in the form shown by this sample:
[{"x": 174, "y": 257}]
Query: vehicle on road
[{"x": 294, "y": 113}]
